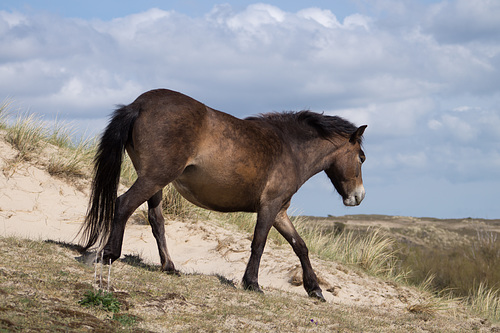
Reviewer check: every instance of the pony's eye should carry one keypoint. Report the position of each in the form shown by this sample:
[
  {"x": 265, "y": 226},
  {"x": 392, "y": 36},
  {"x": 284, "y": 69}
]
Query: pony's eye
[{"x": 362, "y": 157}]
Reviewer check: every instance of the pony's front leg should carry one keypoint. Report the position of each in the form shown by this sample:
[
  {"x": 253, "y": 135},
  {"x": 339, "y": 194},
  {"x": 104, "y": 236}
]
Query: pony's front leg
[
  {"x": 288, "y": 231},
  {"x": 265, "y": 219}
]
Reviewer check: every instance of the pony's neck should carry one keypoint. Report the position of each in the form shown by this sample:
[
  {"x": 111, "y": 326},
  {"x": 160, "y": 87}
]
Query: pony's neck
[{"x": 314, "y": 156}]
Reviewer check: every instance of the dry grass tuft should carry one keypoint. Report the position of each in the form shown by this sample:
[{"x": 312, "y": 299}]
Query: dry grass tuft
[
  {"x": 485, "y": 302},
  {"x": 26, "y": 135},
  {"x": 4, "y": 113},
  {"x": 72, "y": 162},
  {"x": 49, "y": 145},
  {"x": 372, "y": 251}
]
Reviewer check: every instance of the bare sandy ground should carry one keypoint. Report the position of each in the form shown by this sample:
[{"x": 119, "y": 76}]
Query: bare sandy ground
[{"x": 35, "y": 205}]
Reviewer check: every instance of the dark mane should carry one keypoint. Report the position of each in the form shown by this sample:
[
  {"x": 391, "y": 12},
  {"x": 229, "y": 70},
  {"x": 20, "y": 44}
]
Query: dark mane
[{"x": 302, "y": 122}]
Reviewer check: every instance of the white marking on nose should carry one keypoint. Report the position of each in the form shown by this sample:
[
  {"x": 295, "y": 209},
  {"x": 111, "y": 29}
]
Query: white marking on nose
[{"x": 355, "y": 197}]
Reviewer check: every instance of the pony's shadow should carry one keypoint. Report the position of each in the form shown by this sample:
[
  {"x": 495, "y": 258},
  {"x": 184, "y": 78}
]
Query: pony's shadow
[
  {"x": 136, "y": 261},
  {"x": 66, "y": 245},
  {"x": 89, "y": 258},
  {"x": 86, "y": 257}
]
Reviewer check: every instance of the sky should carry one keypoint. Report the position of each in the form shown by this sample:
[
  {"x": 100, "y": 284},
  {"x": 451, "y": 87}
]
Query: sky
[{"x": 423, "y": 75}]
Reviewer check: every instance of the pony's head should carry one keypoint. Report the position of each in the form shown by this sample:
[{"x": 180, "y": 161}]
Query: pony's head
[{"x": 345, "y": 170}]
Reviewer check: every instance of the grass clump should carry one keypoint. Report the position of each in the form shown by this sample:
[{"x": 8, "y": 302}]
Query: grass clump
[
  {"x": 26, "y": 135},
  {"x": 485, "y": 301},
  {"x": 4, "y": 112},
  {"x": 468, "y": 269},
  {"x": 101, "y": 299},
  {"x": 175, "y": 206},
  {"x": 51, "y": 144},
  {"x": 73, "y": 162},
  {"x": 372, "y": 251}
]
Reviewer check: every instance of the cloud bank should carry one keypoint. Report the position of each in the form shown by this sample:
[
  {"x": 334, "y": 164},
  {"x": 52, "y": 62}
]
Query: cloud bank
[{"x": 424, "y": 78}]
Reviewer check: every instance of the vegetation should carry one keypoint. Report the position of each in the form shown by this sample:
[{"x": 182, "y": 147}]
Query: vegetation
[
  {"x": 461, "y": 268},
  {"x": 468, "y": 269},
  {"x": 52, "y": 146},
  {"x": 44, "y": 289},
  {"x": 451, "y": 258},
  {"x": 101, "y": 299}
]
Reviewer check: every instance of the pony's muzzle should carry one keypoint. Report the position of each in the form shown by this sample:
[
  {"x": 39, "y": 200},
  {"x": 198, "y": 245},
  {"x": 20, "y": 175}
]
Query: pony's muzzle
[{"x": 355, "y": 197}]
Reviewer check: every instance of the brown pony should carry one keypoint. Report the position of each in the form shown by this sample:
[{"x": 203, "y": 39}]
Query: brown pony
[{"x": 222, "y": 163}]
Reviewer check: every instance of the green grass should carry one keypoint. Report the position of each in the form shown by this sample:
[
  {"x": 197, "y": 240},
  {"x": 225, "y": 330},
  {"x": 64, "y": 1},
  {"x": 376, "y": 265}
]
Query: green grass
[{"x": 102, "y": 299}]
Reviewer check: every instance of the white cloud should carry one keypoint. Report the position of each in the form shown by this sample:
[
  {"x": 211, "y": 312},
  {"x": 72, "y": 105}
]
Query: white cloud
[
  {"x": 256, "y": 16},
  {"x": 417, "y": 160},
  {"x": 434, "y": 124},
  {"x": 459, "y": 128},
  {"x": 356, "y": 21},
  {"x": 390, "y": 119},
  {"x": 131, "y": 28},
  {"x": 322, "y": 16},
  {"x": 11, "y": 19}
]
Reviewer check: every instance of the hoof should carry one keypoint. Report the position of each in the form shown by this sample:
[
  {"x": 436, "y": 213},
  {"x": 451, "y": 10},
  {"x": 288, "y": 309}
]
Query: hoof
[
  {"x": 172, "y": 272},
  {"x": 317, "y": 294},
  {"x": 169, "y": 268},
  {"x": 108, "y": 258},
  {"x": 254, "y": 287},
  {"x": 108, "y": 255}
]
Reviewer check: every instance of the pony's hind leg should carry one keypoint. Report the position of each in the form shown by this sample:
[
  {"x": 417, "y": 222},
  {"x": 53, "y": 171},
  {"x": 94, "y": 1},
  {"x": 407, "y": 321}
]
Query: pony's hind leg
[
  {"x": 157, "y": 222},
  {"x": 126, "y": 204}
]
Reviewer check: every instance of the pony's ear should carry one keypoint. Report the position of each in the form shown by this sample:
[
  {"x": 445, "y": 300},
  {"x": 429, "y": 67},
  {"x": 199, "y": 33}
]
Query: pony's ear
[{"x": 356, "y": 136}]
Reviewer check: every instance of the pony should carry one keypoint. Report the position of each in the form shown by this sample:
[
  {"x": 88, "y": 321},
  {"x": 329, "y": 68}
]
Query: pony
[{"x": 218, "y": 162}]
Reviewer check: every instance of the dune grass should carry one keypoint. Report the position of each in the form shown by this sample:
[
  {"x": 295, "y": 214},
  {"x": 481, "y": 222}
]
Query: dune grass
[
  {"x": 469, "y": 270},
  {"x": 4, "y": 113},
  {"x": 49, "y": 144},
  {"x": 485, "y": 301},
  {"x": 26, "y": 135},
  {"x": 72, "y": 162}
]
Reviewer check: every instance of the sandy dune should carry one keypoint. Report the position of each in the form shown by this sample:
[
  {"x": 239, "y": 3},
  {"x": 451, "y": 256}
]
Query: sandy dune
[{"x": 35, "y": 205}]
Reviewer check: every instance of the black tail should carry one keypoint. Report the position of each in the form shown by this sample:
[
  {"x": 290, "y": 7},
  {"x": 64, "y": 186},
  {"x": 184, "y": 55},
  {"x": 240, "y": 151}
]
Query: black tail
[{"x": 107, "y": 167}]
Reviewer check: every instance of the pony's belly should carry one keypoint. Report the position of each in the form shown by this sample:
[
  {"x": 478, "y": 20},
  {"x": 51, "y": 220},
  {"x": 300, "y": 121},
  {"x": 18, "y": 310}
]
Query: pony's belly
[{"x": 213, "y": 196}]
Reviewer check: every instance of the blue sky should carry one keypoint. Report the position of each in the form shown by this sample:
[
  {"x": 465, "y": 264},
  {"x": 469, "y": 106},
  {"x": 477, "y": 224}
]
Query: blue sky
[
  {"x": 424, "y": 76},
  {"x": 110, "y": 9}
]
